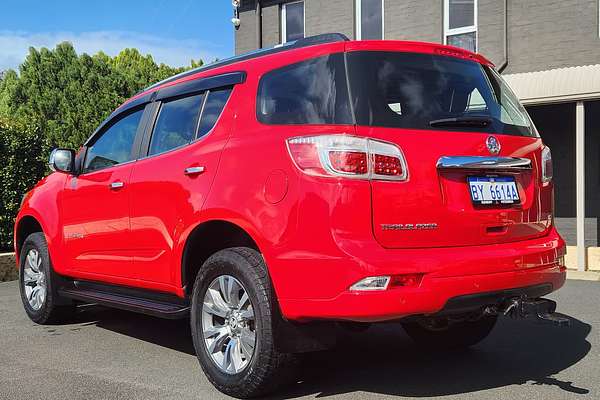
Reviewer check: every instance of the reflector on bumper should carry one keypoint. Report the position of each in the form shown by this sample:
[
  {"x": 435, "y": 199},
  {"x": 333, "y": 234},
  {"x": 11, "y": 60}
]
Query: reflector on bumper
[{"x": 371, "y": 283}]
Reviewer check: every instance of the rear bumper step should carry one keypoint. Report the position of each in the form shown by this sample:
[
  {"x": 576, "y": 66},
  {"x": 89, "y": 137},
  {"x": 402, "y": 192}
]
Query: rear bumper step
[
  {"x": 160, "y": 306},
  {"x": 515, "y": 303},
  {"x": 478, "y": 301}
]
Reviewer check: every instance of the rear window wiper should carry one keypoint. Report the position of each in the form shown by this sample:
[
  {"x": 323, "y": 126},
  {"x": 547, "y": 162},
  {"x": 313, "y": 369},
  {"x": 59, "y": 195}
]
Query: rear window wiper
[{"x": 475, "y": 122}]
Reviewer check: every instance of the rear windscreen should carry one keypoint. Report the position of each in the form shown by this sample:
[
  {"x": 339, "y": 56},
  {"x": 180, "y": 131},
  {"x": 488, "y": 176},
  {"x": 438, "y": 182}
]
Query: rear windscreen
[
  {"x": 392, "y": 89},
  {"x": 426, "y": 91}
]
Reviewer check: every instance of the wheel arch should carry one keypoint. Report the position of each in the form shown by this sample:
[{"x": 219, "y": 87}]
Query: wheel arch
[
  {"x": 207, "y": 238},
  {"x": 25, "y": 226}
]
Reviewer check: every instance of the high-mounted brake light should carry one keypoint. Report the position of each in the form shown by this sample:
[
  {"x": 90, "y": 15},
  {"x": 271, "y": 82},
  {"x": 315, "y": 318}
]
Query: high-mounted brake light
[
  {"x": 348, "y": 156},
  {"x": 446, "y": 51},
  {"x": 547, "y": 169}
]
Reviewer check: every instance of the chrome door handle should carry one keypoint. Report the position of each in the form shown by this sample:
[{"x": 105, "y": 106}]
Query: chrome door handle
[
  {"x": 194, "y": 170},
  {"x": 117, "y": 185}
]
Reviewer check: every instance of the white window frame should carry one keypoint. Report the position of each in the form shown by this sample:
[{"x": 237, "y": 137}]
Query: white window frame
[
  {"x": 358, "y": 27},
  {"x": 464, "y": 29},
  {"x": 284, "y": 19}
]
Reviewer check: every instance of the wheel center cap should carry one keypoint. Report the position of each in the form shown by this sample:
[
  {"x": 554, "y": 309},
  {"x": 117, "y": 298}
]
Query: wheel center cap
[{"x": 233, "y": 321}]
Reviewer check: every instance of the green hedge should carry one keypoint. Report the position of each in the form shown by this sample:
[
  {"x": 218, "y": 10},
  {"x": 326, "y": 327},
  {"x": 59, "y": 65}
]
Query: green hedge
[
  {"x": 22, "y": 164},
  {"x": 61, "y": 96}
]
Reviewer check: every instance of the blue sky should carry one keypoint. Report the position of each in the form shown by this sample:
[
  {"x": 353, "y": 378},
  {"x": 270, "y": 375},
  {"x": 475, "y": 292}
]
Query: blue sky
[{"x": 172, "y": 31}]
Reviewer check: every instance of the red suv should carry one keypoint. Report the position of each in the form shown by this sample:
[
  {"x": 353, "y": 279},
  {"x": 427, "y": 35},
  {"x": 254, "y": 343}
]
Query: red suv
[{"x": 279, "y": 195}]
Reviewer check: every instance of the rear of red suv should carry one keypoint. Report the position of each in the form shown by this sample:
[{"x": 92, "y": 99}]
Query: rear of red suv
[
  {"x": 422, "y": 179},
  {"x": 348, "y": 183}
]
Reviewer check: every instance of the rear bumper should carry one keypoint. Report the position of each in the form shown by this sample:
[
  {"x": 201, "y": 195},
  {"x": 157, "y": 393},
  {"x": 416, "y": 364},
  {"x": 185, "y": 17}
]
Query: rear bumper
[{"x": 508, "y": 266}]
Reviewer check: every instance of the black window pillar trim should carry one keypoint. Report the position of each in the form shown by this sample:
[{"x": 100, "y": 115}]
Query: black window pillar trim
[{"x": 144, "y": 147}]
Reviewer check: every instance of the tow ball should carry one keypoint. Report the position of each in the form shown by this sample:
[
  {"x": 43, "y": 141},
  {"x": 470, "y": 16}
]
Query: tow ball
[{"x": 523, "y": 307}]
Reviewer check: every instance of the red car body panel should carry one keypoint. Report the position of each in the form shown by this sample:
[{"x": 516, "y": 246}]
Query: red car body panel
[
  {"x": 95, "y": 222},
  {"x": 318, "y": 235},
  {"x": 430, "y": 195},
  {"x": 165, "y": 201}
]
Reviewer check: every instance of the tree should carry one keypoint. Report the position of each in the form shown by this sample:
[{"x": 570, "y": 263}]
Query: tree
[
  {"x": 57, "y": 99},
  {"x": 68, "y": 95},
  {"x": 22, "y": 165}
]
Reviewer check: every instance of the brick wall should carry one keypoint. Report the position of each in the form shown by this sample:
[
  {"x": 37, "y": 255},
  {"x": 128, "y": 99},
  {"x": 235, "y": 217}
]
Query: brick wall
[
  {"x": 543, "y": 34},
  {"x": 324, "y": 16},
  {"x": 413, "y": 20},
  {"x": 546, "y": 34}
]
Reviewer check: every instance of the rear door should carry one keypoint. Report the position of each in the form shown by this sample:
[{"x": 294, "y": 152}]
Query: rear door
[
  {"x": 455, "y": 122},
  {"x": 170, "y": 184}
]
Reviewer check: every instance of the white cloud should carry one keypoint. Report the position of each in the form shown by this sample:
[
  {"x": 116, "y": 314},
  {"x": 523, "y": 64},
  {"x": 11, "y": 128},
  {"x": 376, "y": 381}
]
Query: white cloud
[{"x": 175, "y": 52}]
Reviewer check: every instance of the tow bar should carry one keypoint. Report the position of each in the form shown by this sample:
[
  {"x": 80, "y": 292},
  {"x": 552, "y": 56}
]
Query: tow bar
[{"x": 522, "y": 307}]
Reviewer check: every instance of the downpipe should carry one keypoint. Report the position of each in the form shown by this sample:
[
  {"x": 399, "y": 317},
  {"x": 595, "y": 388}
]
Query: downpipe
[{"x": 524, "y": 307}]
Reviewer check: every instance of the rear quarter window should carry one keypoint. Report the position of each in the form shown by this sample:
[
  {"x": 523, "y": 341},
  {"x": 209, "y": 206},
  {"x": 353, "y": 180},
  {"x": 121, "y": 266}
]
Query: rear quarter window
[
  {"x": 309, "y": 92},
  {"x": 213, "y": 107}
]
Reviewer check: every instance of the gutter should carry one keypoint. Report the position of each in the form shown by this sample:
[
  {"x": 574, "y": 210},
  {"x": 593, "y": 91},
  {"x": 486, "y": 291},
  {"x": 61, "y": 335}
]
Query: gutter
[
  {"x": 504, "y": 64},
  {"x": 258, "y": 25}
]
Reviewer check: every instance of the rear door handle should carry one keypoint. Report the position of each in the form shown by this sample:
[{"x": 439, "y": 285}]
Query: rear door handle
[
  {"x": 194, "y": 170},
  {"x": 117, "y": 185}
]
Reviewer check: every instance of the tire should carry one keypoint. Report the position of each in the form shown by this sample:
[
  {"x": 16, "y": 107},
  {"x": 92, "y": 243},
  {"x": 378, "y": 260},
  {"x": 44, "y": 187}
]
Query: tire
[
  {"x": 42, "y": 305},
  {"x": 442, "y": 333},
  {"x": 265, "y": 369}
]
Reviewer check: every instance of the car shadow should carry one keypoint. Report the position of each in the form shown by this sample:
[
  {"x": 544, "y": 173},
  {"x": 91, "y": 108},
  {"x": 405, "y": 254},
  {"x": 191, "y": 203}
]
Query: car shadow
[
  {"x": 384, "y": 360},
  {"x": 171, "y": 334}
]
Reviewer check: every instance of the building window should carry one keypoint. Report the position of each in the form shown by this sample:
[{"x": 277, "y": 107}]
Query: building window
[
  {"x": 460, "y": 23},
  {"x": 369, "y": 19},
  {"x": 292, "y": 21}
]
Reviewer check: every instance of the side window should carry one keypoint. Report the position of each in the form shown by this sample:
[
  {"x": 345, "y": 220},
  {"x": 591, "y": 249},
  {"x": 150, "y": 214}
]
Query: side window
[
  {"x": 114, "y": 146},
  {"x": 213, "y": 107},
  {"x": 309, "y": 92},
  {"x": 476, "y": 101},
  {"x": 176, "y": 124}
]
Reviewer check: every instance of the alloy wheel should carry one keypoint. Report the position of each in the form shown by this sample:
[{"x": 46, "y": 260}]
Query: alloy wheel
[
  {"x": 228, "y": 324},
  {"x": 34, "y": 280}
]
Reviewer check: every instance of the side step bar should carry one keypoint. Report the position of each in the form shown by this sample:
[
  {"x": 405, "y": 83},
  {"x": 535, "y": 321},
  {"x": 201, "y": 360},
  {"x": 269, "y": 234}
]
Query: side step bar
[{"x": 157, "y": 305}]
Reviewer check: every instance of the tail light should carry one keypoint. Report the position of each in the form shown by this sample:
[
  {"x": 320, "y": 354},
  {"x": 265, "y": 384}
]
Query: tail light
[
  {"x": 348, "y": 156},
  {"x": 547, "y": 171}
]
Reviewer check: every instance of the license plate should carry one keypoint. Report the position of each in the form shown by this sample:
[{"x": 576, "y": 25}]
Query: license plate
[{"x": 493, "y": 189}]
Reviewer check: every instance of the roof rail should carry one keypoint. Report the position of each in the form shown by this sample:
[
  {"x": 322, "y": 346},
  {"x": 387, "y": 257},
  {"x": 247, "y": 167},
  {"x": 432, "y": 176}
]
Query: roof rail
[
  {"x": 320, "y": 39},
  {"x": 304, "y": 42}
]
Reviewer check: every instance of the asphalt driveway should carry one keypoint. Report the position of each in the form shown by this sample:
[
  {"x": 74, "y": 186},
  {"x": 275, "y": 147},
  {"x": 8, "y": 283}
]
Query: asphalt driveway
[{"x": 107, "y": 354}]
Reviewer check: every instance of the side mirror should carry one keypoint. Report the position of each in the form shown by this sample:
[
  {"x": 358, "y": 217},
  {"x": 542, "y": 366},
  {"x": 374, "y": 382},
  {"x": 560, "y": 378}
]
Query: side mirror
[{"x": 62, "y": 160}]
